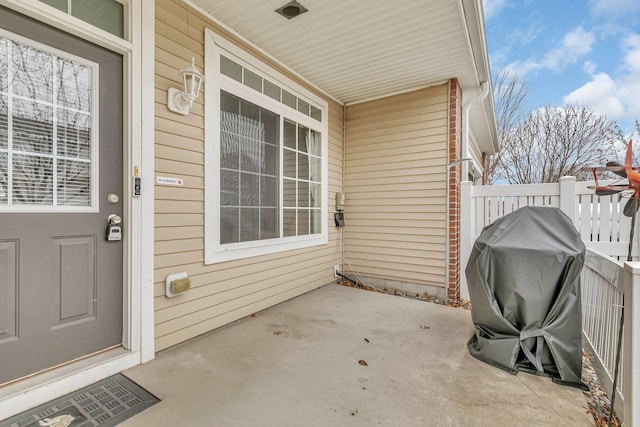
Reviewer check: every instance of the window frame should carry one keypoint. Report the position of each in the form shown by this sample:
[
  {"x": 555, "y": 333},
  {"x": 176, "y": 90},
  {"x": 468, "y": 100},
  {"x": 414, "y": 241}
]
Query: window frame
[{"x": 215, "y": 46}]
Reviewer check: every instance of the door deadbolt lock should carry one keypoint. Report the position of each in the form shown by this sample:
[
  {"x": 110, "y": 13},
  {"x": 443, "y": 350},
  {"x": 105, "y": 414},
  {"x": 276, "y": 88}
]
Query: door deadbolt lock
[{"x": 114, "y": 228}]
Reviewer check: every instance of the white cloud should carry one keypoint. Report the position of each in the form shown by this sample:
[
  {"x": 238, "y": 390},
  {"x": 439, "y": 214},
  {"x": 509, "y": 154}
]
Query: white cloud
[
  {"x": 614, "y": 7},
  {"x": 525, "y": 36},
  {"x": 617, "y": 95},
  {"x": 589, "y": 67},
  {"x": 575, "y": 45},
  {"x": 629, "y": 81},
  {"x": 632, "y": 57},
  {"x": 599, "y": 94},
  {"x": 492, "y": 7}
]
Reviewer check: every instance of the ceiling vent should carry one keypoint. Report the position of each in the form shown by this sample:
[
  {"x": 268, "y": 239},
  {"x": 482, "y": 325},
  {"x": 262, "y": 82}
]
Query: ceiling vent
[{"x": 291, "y": 10}]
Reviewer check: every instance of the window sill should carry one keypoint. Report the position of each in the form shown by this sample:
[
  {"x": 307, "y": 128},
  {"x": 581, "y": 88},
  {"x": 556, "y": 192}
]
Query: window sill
[{"x": 266, "y": 247}]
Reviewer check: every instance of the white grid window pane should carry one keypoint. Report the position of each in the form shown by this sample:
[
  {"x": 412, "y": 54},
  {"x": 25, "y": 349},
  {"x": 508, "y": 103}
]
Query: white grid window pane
[
  {"x": 249, "y": 169},
  {"x": 4, "y": 122},
  {"x": 74, "y": 85},
  {"x": 302, "y": 180},
  {"x": 74, "y": 181},
  {"x": 289, "y": 222},
  {"x": 230, "y": 68},
  {"x": 303, "y": 222},
  {"x": 249, "y": 224},
  {"x": 4, "y": 64},
  {"x": 32, "y": 180},
  {"x": 74, "y": 134},
  {"x": 46, "y": 122},
  {"x": 229, "y": 227},
  {"x": 269, "y": 223},
  {"x": 32, "y": 127},
  {"x": 32, "y": 71},
  {"x": 316, "y": 221},
  {"x": 3, "y": 178}
]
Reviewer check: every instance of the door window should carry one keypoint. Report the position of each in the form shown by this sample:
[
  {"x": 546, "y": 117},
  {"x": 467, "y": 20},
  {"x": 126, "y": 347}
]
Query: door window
[{"x": 47, "y": 129}]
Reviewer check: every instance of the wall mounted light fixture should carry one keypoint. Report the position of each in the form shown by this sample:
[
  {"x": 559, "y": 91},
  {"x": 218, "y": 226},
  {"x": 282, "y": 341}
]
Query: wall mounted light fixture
[{"x": 181, "y": 101}]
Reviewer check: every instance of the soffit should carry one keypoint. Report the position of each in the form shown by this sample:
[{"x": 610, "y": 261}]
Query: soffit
[{"x": 359, "y": 50}]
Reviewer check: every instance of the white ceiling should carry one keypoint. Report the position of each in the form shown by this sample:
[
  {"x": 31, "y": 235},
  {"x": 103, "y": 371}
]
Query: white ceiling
[{"x": 356, "y": 50}]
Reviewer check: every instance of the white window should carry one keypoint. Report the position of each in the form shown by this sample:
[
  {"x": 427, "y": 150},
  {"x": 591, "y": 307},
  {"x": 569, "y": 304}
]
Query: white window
[
  {"x": 48, "y": 128},
  {"x": 266, "y": 158}
]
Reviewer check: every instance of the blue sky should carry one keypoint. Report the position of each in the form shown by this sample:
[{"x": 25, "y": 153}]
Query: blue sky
[{"x": 581, "y": 51}]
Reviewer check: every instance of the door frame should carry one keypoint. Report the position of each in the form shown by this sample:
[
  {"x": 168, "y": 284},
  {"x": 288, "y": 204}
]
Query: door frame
[{"x": 137, "y": 49}]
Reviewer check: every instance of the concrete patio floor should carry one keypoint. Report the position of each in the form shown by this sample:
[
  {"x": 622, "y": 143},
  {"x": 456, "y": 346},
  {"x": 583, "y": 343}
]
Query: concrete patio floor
[{"x": 298, "y": 364}]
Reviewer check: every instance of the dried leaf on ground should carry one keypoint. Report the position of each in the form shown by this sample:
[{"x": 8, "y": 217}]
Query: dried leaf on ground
[
  {"x": 598, "y": 402},
  {"x": 465, "y": 304},
  {"x": 423, "y": 297},
  {"x": 278, "y": 332}
]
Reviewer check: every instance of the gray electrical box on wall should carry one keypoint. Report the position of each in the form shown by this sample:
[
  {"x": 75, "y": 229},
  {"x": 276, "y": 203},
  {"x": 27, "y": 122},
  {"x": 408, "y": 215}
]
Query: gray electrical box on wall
[
  {"x": 338, "y": 217},
  {"x": 339, "y": 202}
]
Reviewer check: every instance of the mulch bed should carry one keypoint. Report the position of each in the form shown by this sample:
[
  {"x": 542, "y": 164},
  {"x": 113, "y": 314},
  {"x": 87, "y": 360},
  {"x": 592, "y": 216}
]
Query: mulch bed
[
  {"x": 596, "y": 397},
  {"x": 599, "y": 405}
]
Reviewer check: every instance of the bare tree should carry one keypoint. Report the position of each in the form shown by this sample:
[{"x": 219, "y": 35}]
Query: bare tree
[
  {"x": 636, "y": 144},
  {"x": 510, "y": 94},
  {"x": 554, "y": 142},
  {"x": 546, "y": 144}
]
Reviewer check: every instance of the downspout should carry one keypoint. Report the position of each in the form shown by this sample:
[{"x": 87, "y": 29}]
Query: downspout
[
  {"x": 343, "y": 178},
  {"x": 484, "y": 91},
  {"x": 464, "y": 159}
]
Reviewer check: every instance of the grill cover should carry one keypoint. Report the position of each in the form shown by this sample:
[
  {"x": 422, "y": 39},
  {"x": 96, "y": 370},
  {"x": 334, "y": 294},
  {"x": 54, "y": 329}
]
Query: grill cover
[{"x": 524, "y": 281}]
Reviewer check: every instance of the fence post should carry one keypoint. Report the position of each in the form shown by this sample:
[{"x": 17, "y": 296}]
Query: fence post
[
  {"x": 467, "y": 219},
  {"x": 631, "y": 344},
  {"x": 568, "y": 197}
]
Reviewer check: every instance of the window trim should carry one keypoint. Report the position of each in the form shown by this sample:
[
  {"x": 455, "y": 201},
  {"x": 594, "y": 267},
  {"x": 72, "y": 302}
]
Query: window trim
[{"x": 215, "y": 46}]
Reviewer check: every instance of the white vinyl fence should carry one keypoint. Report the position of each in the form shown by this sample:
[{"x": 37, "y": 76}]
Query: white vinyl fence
[
  {"x": 599, "y": 219},
  {"x": 602, "y": 287},
  {"x": 607, "y": 280}
]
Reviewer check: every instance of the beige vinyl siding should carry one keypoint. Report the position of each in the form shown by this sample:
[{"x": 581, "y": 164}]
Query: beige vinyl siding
[
  {"x": 395, "y": 184},
  {"x": 220, "y": 293}
]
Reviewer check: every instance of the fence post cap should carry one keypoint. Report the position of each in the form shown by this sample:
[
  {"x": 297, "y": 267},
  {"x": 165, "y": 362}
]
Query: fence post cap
[{"x": 632, "y": 267}]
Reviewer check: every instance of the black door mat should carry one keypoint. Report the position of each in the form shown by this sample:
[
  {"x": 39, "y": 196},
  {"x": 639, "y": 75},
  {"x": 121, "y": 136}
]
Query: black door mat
[{"x": 105, "y": 403}]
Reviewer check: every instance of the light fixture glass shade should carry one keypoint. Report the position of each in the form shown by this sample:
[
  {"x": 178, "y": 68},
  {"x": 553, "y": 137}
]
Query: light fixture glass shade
[
  {"x": 182, "y": 101},
  {"x": 192, "y": 79}
]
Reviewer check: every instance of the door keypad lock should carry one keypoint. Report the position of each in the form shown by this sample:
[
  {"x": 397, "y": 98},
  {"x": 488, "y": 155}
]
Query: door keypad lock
[{"x": 114, "y": 228}]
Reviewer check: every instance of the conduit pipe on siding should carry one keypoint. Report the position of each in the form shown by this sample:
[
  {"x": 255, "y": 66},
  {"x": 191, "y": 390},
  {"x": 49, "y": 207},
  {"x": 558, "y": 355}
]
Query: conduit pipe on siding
[{"x": 484, "y": 91}]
